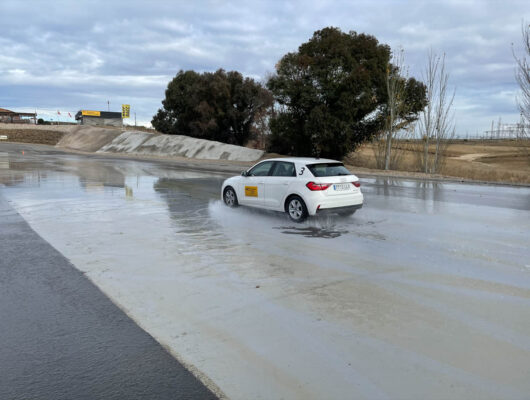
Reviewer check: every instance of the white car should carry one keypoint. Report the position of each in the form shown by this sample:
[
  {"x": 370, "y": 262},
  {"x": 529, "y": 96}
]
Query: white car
[{"x": 298, "y": 186}]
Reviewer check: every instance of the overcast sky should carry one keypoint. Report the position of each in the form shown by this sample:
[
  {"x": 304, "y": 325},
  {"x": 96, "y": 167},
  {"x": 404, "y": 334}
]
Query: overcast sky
[{"x": 69, "y": 55}]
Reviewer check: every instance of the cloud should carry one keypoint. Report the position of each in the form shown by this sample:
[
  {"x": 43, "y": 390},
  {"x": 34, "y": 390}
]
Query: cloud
[{"x": 81, "y": 54}]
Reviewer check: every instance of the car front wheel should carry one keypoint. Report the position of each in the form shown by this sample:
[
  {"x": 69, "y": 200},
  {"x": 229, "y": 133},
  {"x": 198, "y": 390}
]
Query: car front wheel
[
  {"x": 230, "y": 197},
  {"x": 296, "y": 209}
]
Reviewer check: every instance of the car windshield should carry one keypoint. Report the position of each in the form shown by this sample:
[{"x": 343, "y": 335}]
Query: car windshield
[{"x": 328, "y": 169}]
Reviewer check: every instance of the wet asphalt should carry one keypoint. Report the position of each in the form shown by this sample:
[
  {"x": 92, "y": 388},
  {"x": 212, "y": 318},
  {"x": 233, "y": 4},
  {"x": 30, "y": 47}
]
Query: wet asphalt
[
  {"x": 424, "y": 293},
  {"x": 62, "y": 338}
]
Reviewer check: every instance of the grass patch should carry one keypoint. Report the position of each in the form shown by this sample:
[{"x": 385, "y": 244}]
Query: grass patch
[
  {"x": 485, "y": 160},
  {"x": 49, "y": 137}
]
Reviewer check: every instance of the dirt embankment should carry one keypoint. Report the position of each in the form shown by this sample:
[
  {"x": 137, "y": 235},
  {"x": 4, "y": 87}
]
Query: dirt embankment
[
  {"x": 89, "y": 139},
  {"x": 128, "y": 142},
  {"x": 40, "y": 136}
]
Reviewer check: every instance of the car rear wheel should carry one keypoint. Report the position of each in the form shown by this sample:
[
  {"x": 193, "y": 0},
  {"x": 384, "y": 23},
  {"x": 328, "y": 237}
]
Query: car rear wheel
[
  {"x": 296, "y": 209},
  {"x": 230, "y": 197}
]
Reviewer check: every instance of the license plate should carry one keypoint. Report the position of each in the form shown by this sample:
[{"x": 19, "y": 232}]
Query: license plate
[{"x": 341, "y": 186}]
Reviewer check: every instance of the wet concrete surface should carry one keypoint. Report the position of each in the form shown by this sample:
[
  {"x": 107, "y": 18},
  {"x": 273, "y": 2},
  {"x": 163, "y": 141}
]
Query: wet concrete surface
[
  {"x": 423, "y": 293},
  {"x": 61, "y": 338}
]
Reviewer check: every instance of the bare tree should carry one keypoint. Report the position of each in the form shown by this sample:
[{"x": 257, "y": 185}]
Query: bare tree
[
  {"x": 388, "y": 152},
  {"x": 436, "y": 124},
  {"x": 426, "y": 122},
  {"x": 395, "y": 90},
  {"x": 522, "y": 74},
  {"x": 444, "y": 128},
  {"x": 260, "y": 128}
]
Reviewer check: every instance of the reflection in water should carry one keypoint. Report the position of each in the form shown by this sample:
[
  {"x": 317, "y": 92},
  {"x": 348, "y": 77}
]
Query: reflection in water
[
  {"x": 312, "y": 231},
  {"x": 91, "y": 173},
  {"x": 425, "y": 190},
  {"x": 432, "y": 193},
  {"x": 129, "y": 192},
  {"x": 331, "y": 232},
  {"x": 4, "y": 161},
  {"x": 429, "y": 190},
  {"x": 188, "y": 203},
  {"x": 15, "y": 178}
]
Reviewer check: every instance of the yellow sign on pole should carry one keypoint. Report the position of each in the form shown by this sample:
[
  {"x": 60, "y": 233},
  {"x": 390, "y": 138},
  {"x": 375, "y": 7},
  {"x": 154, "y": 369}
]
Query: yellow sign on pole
[
  {"x": 125, "y": 110},
  {"x": 91, "y": 113}
]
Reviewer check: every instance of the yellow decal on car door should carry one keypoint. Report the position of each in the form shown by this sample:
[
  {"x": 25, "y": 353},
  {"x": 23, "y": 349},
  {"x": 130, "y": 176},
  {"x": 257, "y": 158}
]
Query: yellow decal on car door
[{"x": 251, "y": 191}]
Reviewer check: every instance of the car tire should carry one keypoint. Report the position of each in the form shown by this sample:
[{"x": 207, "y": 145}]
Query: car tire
[
  {"x": 230, "y": 197},
  {"x": 296, "y": 209}
]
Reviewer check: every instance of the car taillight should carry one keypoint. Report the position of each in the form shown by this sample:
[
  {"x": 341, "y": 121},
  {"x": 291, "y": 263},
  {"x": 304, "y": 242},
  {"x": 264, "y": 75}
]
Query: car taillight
[
  {"x": 317, "y": 186},
  {"x": 356, "y": 184}
]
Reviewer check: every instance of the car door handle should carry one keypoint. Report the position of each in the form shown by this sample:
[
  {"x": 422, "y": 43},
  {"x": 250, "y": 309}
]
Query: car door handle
[
  {"x": 261, "y": 183},
  {"x": 285, "y": 184}
]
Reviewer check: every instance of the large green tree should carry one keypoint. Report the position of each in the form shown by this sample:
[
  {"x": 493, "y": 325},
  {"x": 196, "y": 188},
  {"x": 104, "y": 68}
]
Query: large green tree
[
  {"x": 331, "y": 95},
  {"x": 218, "y": 106}
]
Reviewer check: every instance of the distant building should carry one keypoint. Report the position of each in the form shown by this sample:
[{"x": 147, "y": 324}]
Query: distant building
[
  {"x": 99, "y": 118},
  {"x": 14, "y": 117}
]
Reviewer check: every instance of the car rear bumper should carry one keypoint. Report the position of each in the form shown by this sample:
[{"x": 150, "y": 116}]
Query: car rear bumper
[
  {"x": 334, "y": 204},
  {"x": 338, "y": 209}
]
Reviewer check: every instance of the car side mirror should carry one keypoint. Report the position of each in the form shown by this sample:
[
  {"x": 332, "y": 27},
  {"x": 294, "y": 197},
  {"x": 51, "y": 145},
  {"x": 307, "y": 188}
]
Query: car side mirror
[{"x": 244, "y": 173}]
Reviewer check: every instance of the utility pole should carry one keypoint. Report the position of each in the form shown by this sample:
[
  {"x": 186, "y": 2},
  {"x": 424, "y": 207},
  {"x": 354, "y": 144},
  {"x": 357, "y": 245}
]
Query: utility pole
[
  {"x": 108, "y": 105},
  {"x": 135, "y": 119}
]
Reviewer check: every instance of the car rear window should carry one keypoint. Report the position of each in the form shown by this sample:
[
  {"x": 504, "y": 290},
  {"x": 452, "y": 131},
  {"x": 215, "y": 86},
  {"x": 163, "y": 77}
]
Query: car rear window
[{"x": 328, "y": 169}]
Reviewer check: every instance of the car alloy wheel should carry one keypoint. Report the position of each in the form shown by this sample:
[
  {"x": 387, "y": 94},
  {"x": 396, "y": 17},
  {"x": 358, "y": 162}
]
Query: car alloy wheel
[
  {"x": 230, "y": 197},
  {"x": 296, "y": 209}
]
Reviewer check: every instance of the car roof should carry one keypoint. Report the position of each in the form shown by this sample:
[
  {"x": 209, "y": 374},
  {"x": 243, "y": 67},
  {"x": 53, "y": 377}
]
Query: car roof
[{"x": 304, "y": 160}]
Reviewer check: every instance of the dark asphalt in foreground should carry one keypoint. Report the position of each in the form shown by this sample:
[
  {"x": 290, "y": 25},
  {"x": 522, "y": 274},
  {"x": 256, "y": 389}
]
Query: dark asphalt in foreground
[{"x": 62, "y": 338}]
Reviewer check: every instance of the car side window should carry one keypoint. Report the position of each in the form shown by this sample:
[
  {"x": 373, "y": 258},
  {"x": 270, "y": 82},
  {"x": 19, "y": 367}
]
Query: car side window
[
  {"x": 283, "y": 168},
  {"x": 262, "y": 169}
]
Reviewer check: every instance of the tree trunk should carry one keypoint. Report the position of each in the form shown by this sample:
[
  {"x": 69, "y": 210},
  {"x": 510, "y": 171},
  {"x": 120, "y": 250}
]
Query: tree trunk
[
  {"x": 388, "y": 145},
  {"x": 426, "y": 155}
]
